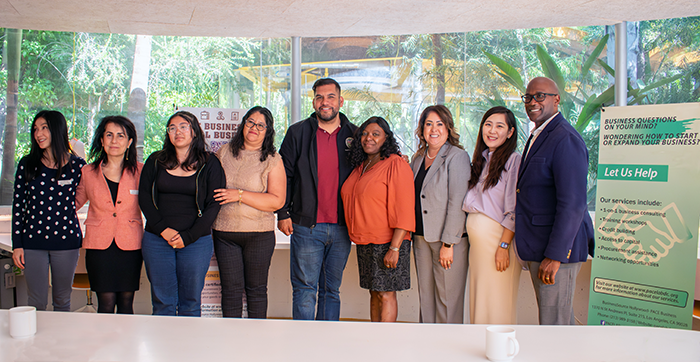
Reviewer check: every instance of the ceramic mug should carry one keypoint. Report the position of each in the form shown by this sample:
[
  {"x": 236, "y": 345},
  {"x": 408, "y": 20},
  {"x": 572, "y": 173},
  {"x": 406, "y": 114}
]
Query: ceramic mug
[
  {"x": 22, "y": 322},
  {"x": 501, "y": 345}
]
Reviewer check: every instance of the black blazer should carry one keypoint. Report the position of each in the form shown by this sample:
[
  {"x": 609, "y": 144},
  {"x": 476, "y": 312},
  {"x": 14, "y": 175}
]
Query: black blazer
[{"x": 299, "y": 154}]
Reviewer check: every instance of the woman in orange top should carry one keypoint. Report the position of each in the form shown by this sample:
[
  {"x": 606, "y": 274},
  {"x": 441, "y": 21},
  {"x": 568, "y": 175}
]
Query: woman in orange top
[
  {"x": 378, "y": 199},
  {"x": 113, "y": 228}
]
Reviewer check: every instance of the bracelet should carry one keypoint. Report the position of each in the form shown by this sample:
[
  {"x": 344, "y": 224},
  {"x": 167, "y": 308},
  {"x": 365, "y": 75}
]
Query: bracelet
[
  {"x": 394, "y": 249},
  {"x": 240, "y": 196}
]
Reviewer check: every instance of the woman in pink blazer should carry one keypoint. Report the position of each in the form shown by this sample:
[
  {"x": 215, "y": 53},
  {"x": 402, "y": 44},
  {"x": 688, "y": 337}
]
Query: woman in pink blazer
[{"x": 114, "y": 227}]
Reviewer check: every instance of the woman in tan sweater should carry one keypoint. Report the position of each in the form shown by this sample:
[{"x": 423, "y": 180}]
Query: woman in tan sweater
[{"x": 244, "y": 236}]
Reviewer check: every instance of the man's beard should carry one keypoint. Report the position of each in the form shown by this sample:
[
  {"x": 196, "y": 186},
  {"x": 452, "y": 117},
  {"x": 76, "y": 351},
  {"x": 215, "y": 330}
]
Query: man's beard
[{"x": 327, "y": 119}]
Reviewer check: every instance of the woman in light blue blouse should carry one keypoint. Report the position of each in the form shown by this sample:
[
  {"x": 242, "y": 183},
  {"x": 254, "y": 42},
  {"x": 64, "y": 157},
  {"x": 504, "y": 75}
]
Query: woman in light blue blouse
[
  {"x": 45, "y": 227},
  {"x": 494, "y": 269}
]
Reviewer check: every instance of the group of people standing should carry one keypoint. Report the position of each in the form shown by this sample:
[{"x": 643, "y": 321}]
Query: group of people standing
[
  {"x": 350, "y": 184},
  {"x": 182, "y": 190},
  {"x": 332, "y": 183}
]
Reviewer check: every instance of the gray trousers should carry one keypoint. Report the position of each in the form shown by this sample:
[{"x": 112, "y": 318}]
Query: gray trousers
[
  {"x": 556, "y": 301},
  {"x": 441, "y": 292},
  {"x": 36, "y": 272}
]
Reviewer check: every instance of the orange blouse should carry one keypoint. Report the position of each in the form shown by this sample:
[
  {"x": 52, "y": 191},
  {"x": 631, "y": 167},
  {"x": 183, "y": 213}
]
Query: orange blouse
[{"x": 379, "y": 201}]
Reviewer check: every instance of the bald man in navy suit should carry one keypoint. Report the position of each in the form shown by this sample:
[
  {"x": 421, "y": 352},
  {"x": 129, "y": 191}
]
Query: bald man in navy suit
[{"x": 553, "y": 230}]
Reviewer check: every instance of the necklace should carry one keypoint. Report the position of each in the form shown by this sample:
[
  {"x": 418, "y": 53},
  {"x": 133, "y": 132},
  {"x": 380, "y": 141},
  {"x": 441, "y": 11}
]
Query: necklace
[
  {"x": 369, "y": 162},
  {"x": 427, "y": 154}
]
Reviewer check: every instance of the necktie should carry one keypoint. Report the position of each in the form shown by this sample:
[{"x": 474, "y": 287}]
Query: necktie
[{"x": 527, "y": 147}]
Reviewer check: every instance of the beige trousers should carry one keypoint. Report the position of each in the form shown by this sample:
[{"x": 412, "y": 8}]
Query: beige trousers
[{"x": 493, "y": 295}]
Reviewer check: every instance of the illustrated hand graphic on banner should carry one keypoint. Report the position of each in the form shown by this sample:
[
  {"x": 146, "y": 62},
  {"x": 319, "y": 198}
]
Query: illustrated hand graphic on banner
[{"x": 644, "y": 235}]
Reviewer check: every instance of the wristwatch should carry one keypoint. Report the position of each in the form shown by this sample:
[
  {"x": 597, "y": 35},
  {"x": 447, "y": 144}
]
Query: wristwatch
[
  {"x": 447, "y": 245},
  {"x": 504, "y": 245}
]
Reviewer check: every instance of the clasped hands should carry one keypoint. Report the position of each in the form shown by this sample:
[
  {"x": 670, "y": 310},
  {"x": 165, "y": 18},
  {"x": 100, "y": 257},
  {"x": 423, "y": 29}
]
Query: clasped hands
[{"x": 173, "y": 238}]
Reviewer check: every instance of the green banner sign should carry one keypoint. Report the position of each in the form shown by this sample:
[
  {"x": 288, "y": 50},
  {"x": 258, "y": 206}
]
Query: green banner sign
[
  {"x": 646, "y": 217},
  {"x": 655, "y": 173}
]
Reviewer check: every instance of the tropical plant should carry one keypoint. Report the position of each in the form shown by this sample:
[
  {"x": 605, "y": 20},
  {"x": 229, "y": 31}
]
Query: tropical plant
[
  {"x": 580, "y": 103},
  {"x": 14, "y": 41},
  {"x": 582, "y": 99}
]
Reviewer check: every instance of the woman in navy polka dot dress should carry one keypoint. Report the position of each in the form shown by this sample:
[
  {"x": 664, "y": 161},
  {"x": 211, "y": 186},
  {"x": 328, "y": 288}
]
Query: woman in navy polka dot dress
[{"x": 45, "y": 227}]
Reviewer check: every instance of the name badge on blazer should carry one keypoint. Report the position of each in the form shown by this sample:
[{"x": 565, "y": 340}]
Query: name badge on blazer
[
  {"x": 65, "y": 182},
  {"x": 134, "y": 192}
]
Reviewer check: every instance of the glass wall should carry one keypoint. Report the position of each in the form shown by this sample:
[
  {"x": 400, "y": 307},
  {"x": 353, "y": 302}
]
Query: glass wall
[{"x": 88, "y": 76}]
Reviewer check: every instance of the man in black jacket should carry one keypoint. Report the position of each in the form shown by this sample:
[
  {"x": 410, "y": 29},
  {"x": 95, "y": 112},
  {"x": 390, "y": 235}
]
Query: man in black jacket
[{"x": 315, "y": 153}]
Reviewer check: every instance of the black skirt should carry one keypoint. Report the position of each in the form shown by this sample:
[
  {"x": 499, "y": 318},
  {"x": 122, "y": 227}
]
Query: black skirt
[
  {"x": 113, "y": 269},
  {"x": 375, "y": 276}
]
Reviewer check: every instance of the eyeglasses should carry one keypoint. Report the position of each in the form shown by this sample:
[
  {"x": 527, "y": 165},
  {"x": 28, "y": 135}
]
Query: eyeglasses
[
  {"x": 184, "y": 128},
  {"x": 260, "y": 126},
  {"x": 540, "y": 97}
]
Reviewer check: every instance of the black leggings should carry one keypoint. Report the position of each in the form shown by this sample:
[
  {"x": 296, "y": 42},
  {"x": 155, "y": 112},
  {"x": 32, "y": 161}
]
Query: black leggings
[
  {"x": 244, "y": 264},
  {"x": 124, "y": 301}
]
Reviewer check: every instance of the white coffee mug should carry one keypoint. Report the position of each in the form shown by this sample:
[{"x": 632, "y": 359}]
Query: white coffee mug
[
  {"x": 501, "y": 344},
  {"x": 22, "y": 322}
]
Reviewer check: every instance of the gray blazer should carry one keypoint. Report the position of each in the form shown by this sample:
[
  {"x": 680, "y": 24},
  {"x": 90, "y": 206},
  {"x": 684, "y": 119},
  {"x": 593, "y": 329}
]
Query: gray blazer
[{"x": 442, "y": 194}]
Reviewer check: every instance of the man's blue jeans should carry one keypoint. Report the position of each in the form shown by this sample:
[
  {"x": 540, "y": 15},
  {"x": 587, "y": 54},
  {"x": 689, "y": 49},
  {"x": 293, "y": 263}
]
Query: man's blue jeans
[
  {"x": 176, "y": 275},
  {"x": 318, "y": 257}
]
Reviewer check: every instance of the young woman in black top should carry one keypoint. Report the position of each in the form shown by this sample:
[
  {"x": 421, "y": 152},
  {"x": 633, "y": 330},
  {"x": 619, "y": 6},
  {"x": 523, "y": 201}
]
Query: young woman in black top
[{"x": 176, "y": 194}]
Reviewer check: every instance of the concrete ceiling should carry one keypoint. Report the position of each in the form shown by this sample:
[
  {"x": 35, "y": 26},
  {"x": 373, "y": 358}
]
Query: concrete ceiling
[{"x": 317, "y": 18}]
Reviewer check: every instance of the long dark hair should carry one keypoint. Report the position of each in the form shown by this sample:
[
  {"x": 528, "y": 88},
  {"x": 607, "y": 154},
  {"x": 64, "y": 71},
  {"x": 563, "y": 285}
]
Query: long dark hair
[
  {"x": 197, "y": 154},
  {"x": 268, "y": 146},
  {"x": 97, "y": 153},
  {"x": 60, "y": 146},
  {"x": 446, "y": 118},
  {"x": 500, "y": 156},
  {"x": 357, "y": 154}
]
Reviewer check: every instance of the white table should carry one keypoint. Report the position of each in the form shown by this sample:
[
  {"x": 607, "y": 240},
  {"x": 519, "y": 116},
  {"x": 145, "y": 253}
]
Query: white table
[{"x": 93, "y": 337}]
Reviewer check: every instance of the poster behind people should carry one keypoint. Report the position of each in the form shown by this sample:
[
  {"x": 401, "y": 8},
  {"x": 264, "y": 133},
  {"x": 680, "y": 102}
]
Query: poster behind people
[
  {"x": 219, "y": 125},
  {"x": 211, "y": 294},
  {"x": 647, "y": 212}
]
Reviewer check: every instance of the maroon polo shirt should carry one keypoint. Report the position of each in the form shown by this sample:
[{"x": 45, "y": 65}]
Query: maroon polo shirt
[{"x": 327, "y": 151}]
